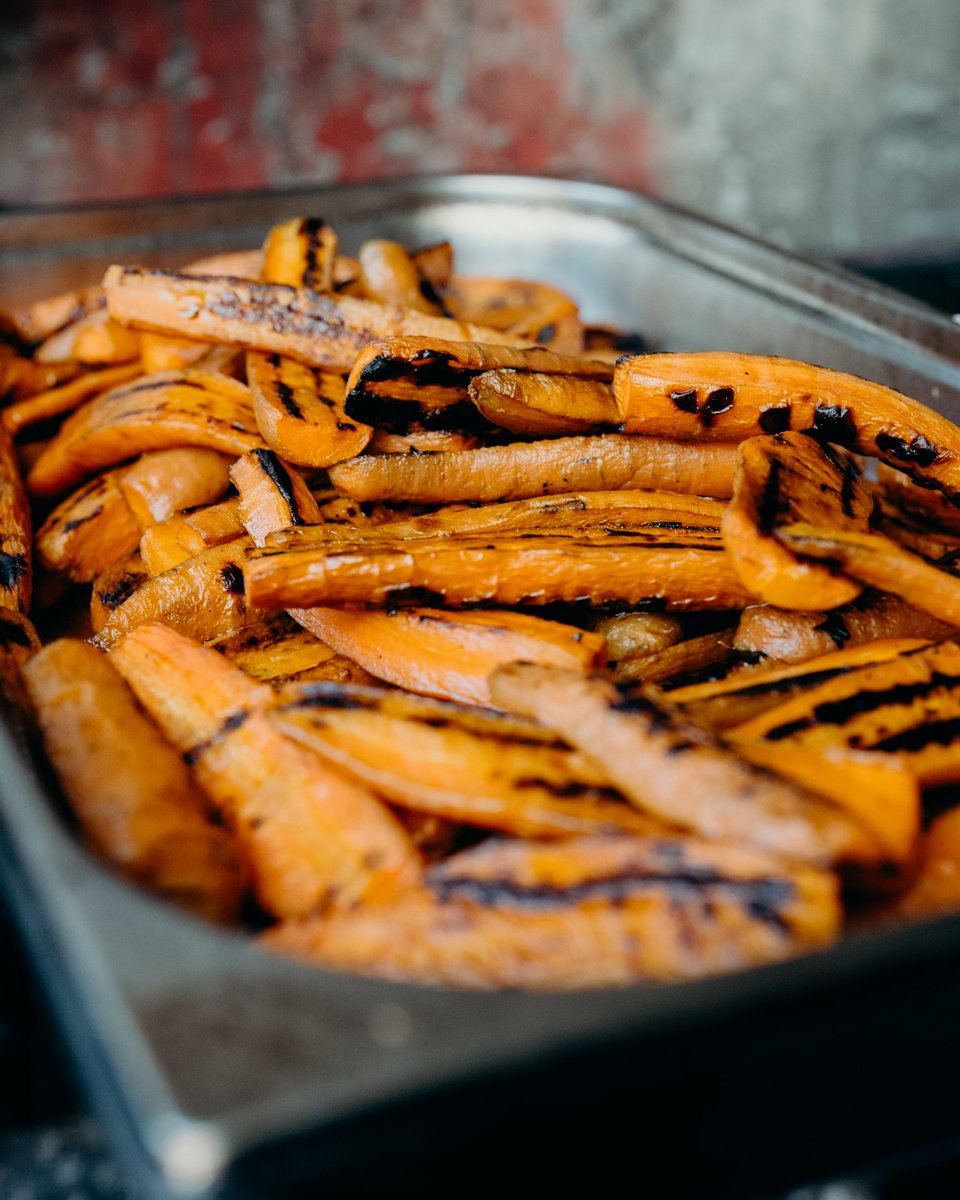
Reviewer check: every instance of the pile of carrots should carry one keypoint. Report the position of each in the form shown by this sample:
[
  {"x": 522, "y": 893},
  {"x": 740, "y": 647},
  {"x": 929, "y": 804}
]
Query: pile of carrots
[{"x": 405, "y": 619}]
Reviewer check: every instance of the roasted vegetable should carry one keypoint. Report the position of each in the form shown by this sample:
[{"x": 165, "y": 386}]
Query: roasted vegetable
[
  {"x": 132, "y": 794},
  {"x": 315, "y": 841},
  {"x": 523, "y": 469},
  {"x": 592, "y": 912},
  {"x": 16, "y": 552}
]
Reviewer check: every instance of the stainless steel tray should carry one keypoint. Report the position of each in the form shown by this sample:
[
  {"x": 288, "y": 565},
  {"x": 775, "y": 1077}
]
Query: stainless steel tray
[{"x": 219, "y": 1069}]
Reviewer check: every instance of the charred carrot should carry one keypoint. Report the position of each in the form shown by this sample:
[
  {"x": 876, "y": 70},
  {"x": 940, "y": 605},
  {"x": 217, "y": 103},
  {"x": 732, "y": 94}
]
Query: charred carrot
[
  {"x": 187, "y": 408},
  {"x": 316, "y": 329},
  {"x": 545, "y": 405},
  {"x": 315, "y": 840},
  {"x": 585, "y": 913},
  {"x": 66, "y": 397},
  {"x": 15, "y": 532},
  {"x": 525, "y": 469},
  {"x": 678, "y": 773}
]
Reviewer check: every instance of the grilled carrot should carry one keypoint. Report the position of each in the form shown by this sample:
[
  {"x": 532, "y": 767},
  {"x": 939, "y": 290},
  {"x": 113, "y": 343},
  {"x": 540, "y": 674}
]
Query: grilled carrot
[
  {"x": 448, "y": 654},
  {"x": 316, "y": 329},
  {"x": 21, "y": 378},
  {"x": 389, "y": 273},
  {"x": 275, "y": 650},
  {"x": 401, "y": 382},
  {"x": 131, "y": 791},
  {"x": 545, "y": 405},
  {"x": 180, "y": 537},
  {"x": 935, "y": 887},
  {"x": 422, "y": 441},
  {"x": 315, "y": 840},
  {"x": 524, "y": 469},
  {"x": 530, "y": 308},
  {"x": 669, "y": 512},
  {"x": 725, "y": 702},
  {"x": 729, "y": 397},
  {"x": 186, "y": 408},
  {"x": 66, "y": 397},
  {"x": 678, "y": 773},
  {"x": 301, "y": 252},
  {"x": 202, "y": 597},
  {"x": 874, "y": 559},
  {"x": 906, "y": 706},
  {"x": 272, "y": 495},
  {"x": 114, "y": 586},
  {"x": 90, "y": 530},
  {"x": 37, "y": 321},
  {"x": 433, "y": 756},
  {"x": 782, "y": 479},
  {"x": 794, "y": 637},
  {"x": 589, "y": 912},
  {"x": 684, "y": 569},
  {"x": 300, "y": 411},
  {"x": 674, "y": 662},
  {"x": 160, "y": 484},
  {"x": 15, "y": 532}
]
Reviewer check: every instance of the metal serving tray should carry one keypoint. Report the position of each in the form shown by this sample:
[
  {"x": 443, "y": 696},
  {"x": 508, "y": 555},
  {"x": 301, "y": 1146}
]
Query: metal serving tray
[{"x": 220, "y": 1070}]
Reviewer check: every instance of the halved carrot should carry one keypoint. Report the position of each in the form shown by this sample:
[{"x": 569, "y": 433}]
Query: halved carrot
[
  {"x": 182, "y": 536},
  {"x": 680, "y": 774},
  {"x": 907, "y": 706},
  {"x": 184, "y": 408},
  {"x": 688, "y": 657},
  {"x": 90, "y": 530},
  {"x": 21, "y": 378},
  {"x": 421, "y": 441},
  {"x": 537, "y": 405},
  {"x": 202, "y": 597},
  {"x": 666, "y": 512},
  {"x": 272, "y": 495},
  {"x": 480, "y": 769},
  {"x": 315, "y": 840},
  {"x": 583, "y": 913},
  {"x": 301, "y": 252},
  {"x": 274, "y": 650},
  {"x": 320, "y": 330},
  {"x": 132, "y": 794},
  {"x": 300, "y": 411},
  {"x": 37, "y": 321},
  {"x": 165, "y": 482},
  {"x": 524, "y": 469},
  {"x": 674, "y": 569},
  {"x": 448, "y": 654},
  {"x": 530, "y": 308},
  {"x": 389, "y": 273},
  {"x": 728, "y": 397},
  {"x": 57, "y": 401},
  {"x": 874, "y": 559},
  {"x": 400, "y": 382},
  {"x": 114, "y": 586},
  {"x": 782, "y": 479},
  {"x": 725, "y": 702}
]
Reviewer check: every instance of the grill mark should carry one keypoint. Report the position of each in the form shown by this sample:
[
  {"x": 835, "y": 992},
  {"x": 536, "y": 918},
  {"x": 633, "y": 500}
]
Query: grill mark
[
  {"x": 851, "y": 474},
  {"x": 233, "y": 721},
  {"x": 934, "y": 733},
  {"x": 762, "y": 898},
  {"x": 919, "y": 450},
  {"x": 312, "y": 228},
  {"x": 719, "y": 401},
  {"x": 834, "y": 626},
  {"x": 12, "y": 634},
  {"x": 835, "y": 423},
  {"x": 776, "y": 687},
  {"x": 231, "y": 576},
  {"x": 70, "y": 526},
  {"x": 685, "y": 399},
  {"x": 279, "y": 476},
  {"x": 13, "y": 567},
  {"x": 771, "y": 505},
  {"x": 839, "y": 712},
  {"x": 285, "y": 395},
  {"x": 775, "y": 419},
  {"x": 122, "y": 590}
]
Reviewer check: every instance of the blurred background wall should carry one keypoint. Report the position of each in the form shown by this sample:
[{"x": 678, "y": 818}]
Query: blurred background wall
[{"x": 825, "y": 125}]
